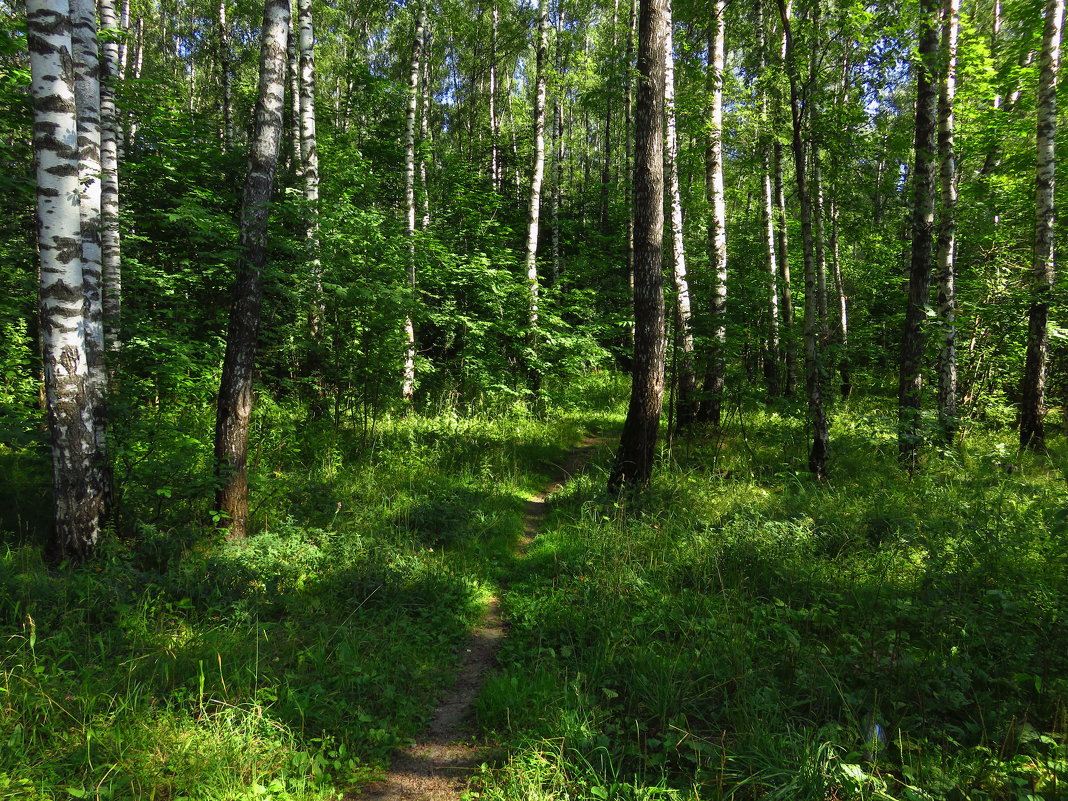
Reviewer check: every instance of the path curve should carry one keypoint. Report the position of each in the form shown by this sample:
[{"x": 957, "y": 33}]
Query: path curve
[{"x": 438, "y": 766}]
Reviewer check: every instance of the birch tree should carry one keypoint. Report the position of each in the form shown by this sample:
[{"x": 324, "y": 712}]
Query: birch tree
[
  {"x": 79, "y": 499},
  {"x": 923, "y": 220},
  {"x": 817, "y": 457},
  {"x": 309, "y": 159},
  {"x": 633, "y": 465},
  {"x": 538, "y": 171},
  {"x": 408, "y": 379},
  {"x": 947, "y": 239},
  {"x": 110, "y": 136},
  {"x": 686, "y": 371},
  {"x": 1033, "y": 394},
  {"x": 235, "y": 391},
  {"x": 712, "y": 402}
]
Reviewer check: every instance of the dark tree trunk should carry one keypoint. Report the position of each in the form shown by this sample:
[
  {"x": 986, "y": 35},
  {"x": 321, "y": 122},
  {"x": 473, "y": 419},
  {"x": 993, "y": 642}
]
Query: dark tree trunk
[
  {"x": 235, "y": 390},
  {"x": 923, "y": 218},
  {"x": 1033, "y": 401},
  {"x": 634, "y": 459}
]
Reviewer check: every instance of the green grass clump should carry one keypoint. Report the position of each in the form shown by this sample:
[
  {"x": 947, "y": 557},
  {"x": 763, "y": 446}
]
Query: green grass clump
[
  {"x": 743, "y": 632},
  {"x": 288, "y": 666}
]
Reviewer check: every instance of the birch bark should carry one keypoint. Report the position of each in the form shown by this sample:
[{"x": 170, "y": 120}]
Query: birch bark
[
  {"x": 110, "y": 134},
  {"x": 947, "y": 231},
  {"x": 408, "y": 379},
  {"x": 538, "y": 172},
  {"x": 78, "y": 498}
]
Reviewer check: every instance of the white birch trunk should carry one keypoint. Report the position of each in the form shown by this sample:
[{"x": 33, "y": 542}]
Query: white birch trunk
[
  {"x": 79, "y": 500},
  {"x": 110, "y": 131},
  {"x": 309, "y": 152},
  {"x": 686, "y": 377},
  {"x": 712, "y": 403},
  {"x": 538, "y": 171},
  {"x": 947, "y": 232},
  {"x": 408, "y": 379}
]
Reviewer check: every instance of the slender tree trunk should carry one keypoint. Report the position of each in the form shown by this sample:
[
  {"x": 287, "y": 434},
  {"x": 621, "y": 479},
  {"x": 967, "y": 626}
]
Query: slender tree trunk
[
  {"x": 606, "y": 163},
  {"x": 923, "y": 218},
  {"x": 782, "y": 252},
  {"x": 771, "y": 352},
  {"x": 79, "y": 499},
  {"x": 424, "y": 131},
  {"x": 235, "y": 390},
  {"x": 495, "y": 132},
  {"x": 87, "y": 96},
  {"x": 538, "y": 171},
  {"x": 1033, "y": 400},
  {"x": 820, "y": 243},
  {"x": 309, "y": 152},
  {"x": 817, "y": 458},
  {"x": 637, "y": 444},
  {"x": 110, "y": 131},
  {"x": 715, "y": 373},
  {"x": 558, "y": 138},
  {"x": 293, "y": 59},
  {"x": 227, "y": 79},
  {"x": 687, "y": 377},
  {"x": 947, "y": 236},
  {"x": 842, "y": 309},
  {"x": 408, "y": 381},
  {"x": 628, "y": 125}
]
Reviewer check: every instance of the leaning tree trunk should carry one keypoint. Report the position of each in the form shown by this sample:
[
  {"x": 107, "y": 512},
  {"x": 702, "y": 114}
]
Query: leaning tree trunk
[
  {"x": 110, "y": 135},
  {"x": 947, "y": 239},
  {"x": 1032, "y": 405},
  {"x": 78, "y": 497},
  {"x": 817, "y": 457},
  {"x": 536, "y": 177},
  {"x": 712, "y": 403},
  {"x": 687, "y": 377},
  {"x": 633, "y": 465},
  {"x": 235, "y": 390},
  {"x": 923, "y": 219},
  {"x": 408, "y": 380}
]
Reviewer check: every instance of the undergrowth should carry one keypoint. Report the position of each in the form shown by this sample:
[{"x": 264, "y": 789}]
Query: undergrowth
[
  {"x": 289, "y": 666},
  {"x": 743, "y": 632}
]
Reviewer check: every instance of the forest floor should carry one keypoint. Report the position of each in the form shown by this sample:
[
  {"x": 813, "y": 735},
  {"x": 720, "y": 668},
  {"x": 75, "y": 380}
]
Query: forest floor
[{"x": 440, "y": 764}]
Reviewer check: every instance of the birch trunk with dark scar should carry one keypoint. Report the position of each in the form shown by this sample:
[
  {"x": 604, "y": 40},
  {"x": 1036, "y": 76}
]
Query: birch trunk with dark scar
[
  {"x": 771, "y": 351},
  {"x": 309, "y": 153},
  {"x": 1033, "y": 400},
  {"x": 87, "y": 97},
  {"x": 687, "y": 377},
  {"x": 235, "y": 391},
  {"x": 293, "y": 59},
  {"x": 947, "y": 239},
  {"x": 538, "y": 171},
  {"x": 78, "y": 497},
  {"x": 817, "y": 458},
  {"x": 408, "y": 380},
  {"x": 633, "y": 465},
  {"x": 923, "y": 219},
  {"x": 712, "y": 401},
  {"x": 224, "y": 74},
  {"x": 111, "y": 264}
]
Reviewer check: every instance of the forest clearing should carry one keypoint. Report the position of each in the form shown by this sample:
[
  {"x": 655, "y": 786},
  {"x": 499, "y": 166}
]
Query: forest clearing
[{"x": 532, "y": 401}]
